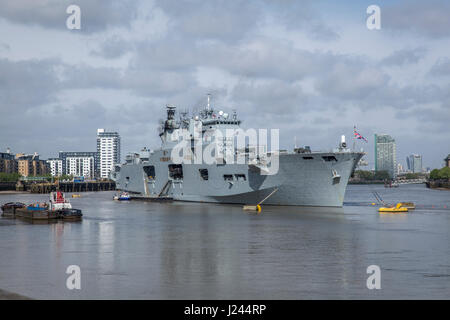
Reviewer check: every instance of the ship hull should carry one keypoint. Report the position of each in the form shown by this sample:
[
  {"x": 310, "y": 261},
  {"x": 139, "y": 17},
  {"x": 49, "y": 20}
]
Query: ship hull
[{"x": 303, "y": 179}]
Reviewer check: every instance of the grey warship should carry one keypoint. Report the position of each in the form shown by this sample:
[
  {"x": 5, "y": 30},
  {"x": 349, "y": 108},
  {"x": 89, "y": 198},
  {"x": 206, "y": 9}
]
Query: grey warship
[{"x": 302, "y": 178}]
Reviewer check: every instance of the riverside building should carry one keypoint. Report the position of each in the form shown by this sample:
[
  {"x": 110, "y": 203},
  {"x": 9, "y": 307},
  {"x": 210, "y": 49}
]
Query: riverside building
[
  {"x": 79, "y": 164},
  {"x": 108, "y": 151},
  {"x": 385, "y": 154}
]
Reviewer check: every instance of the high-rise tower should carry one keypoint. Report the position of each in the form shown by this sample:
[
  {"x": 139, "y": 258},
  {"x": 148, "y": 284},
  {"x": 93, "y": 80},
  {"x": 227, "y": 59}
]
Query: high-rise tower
[{"x": 108, "y": 151}]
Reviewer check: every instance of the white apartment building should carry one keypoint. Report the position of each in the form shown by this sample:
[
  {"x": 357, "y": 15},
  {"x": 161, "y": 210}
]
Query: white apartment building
[
  {"x": 80, "y": 166},
  {"x": 56, "y": 166},
  {"x": 108, "y": 151}
]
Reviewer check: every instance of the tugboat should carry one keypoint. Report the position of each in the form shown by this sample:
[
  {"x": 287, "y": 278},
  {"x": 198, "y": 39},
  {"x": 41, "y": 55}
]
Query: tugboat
[
  {"x": 9, "y": 209},
  {"x": 57, "y": 208},
  {"x": 63, "y": 208}
]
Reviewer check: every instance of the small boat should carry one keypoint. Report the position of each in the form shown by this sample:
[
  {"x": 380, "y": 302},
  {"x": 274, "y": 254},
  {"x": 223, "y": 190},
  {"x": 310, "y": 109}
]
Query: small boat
[
  {"x": 395, "y": 209},
  {"x": 391, "y": 184},
  {"x": 76, "y": 196},
  {"x": 408, "y": 205},
  {"x": 124, "y": 196},
  {"x": 9, "y": 209},
  {"x": 63, "y": 208}
]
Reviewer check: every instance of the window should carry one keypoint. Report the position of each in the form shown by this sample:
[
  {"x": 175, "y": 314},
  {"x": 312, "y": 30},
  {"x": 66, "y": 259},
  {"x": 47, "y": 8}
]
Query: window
[
  {"x": 176, "y": 171},
  {"x": 308, "y": 158},
  {"x": 329, "y": 158},
  {"x": 203, "y": 173},
  {"x": 228, "y": 177},
  {"x": 150, "y": 171},
  {"x": 240, "y": 177}
]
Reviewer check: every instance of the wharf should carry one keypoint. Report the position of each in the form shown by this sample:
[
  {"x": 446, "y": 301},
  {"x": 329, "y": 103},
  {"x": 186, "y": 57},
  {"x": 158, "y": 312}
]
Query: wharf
[{"x": 68, "y": 186}]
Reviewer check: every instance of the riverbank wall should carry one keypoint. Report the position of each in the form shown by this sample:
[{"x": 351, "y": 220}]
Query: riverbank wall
[
  {"x": 7, "y": 186},
  {"x": 87, "y": 186},
  {"x": 438, "y": 184}
]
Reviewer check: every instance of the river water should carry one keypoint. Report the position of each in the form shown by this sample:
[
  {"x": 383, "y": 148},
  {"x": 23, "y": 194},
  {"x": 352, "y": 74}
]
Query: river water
[{"x": 146, "y": 250}]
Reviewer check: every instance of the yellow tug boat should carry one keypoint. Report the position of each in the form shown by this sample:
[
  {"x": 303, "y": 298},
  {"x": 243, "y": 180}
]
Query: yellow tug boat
[{"x": 397, "y": 209}]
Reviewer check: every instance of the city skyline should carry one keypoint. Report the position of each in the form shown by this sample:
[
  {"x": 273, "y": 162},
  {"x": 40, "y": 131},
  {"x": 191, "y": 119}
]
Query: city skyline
[
  {"x": 288, "y": 68},
  {"x": 87, "y": 164},
  {"x": 405, "y": 165}
]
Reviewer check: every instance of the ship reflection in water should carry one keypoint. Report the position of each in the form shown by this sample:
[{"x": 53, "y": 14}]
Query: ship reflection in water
[{"x": 146, "y": 250}]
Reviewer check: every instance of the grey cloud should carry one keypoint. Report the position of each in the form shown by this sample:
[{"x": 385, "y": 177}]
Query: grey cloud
[
  {"x": 322, "y": 121},
  {"x": 171, "y": 55},
  {"x": 301, "y": 15},
  {"x": 4, "y": 47},
  {"x": 26, "y": 84},
  {"x": 427, "y": 18},
  {"x": 403, "y": 57},
  {"x": 96, "y": 15},
  {"x": 158, "y": 83},
  {"x": 55, "y": 127},
  {"x": 350, "y": 80},
  {"x": 84, "y": 76},
  {"x": 319, "y": 31},
  {"x": 273, "y": 59},
  {"x": 429, "y": 119},
  {"x": 168, "y": 69},
  {"x": 441, "y": 67},
  {"x": 270, "y": 97},
  {"x": 233, "y": 21},
  {"x": 261, "y": 57},
  {"x": 139, "y": 80},
  {"x": 220, "y": 19},
  {"x": 113, "y": 47}
]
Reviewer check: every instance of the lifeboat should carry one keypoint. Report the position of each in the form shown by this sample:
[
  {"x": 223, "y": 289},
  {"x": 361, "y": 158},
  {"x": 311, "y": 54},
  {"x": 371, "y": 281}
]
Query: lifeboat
[{"x": 395, "y": 209}]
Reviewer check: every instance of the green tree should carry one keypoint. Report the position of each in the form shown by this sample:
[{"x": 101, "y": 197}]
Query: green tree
[
  {"x": 412, "y": 176},
  {"x": 444, "y": 173},
  {"x": 382, "y": 175},
  {"x": 364, "y": 175},
  {"x": 434, "y": 174},
  {"x": 9, "y": 177}
]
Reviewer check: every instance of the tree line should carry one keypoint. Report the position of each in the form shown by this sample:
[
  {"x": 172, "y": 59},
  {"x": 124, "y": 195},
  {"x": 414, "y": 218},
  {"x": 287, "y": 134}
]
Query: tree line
[
  {"x": 371, "y": 175},
  {"x": 437, "y": 174}
]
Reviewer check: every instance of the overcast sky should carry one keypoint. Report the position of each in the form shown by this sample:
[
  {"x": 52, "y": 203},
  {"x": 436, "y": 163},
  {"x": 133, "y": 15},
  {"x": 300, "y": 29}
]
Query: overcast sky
[{"x": 310, "y": 68}]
